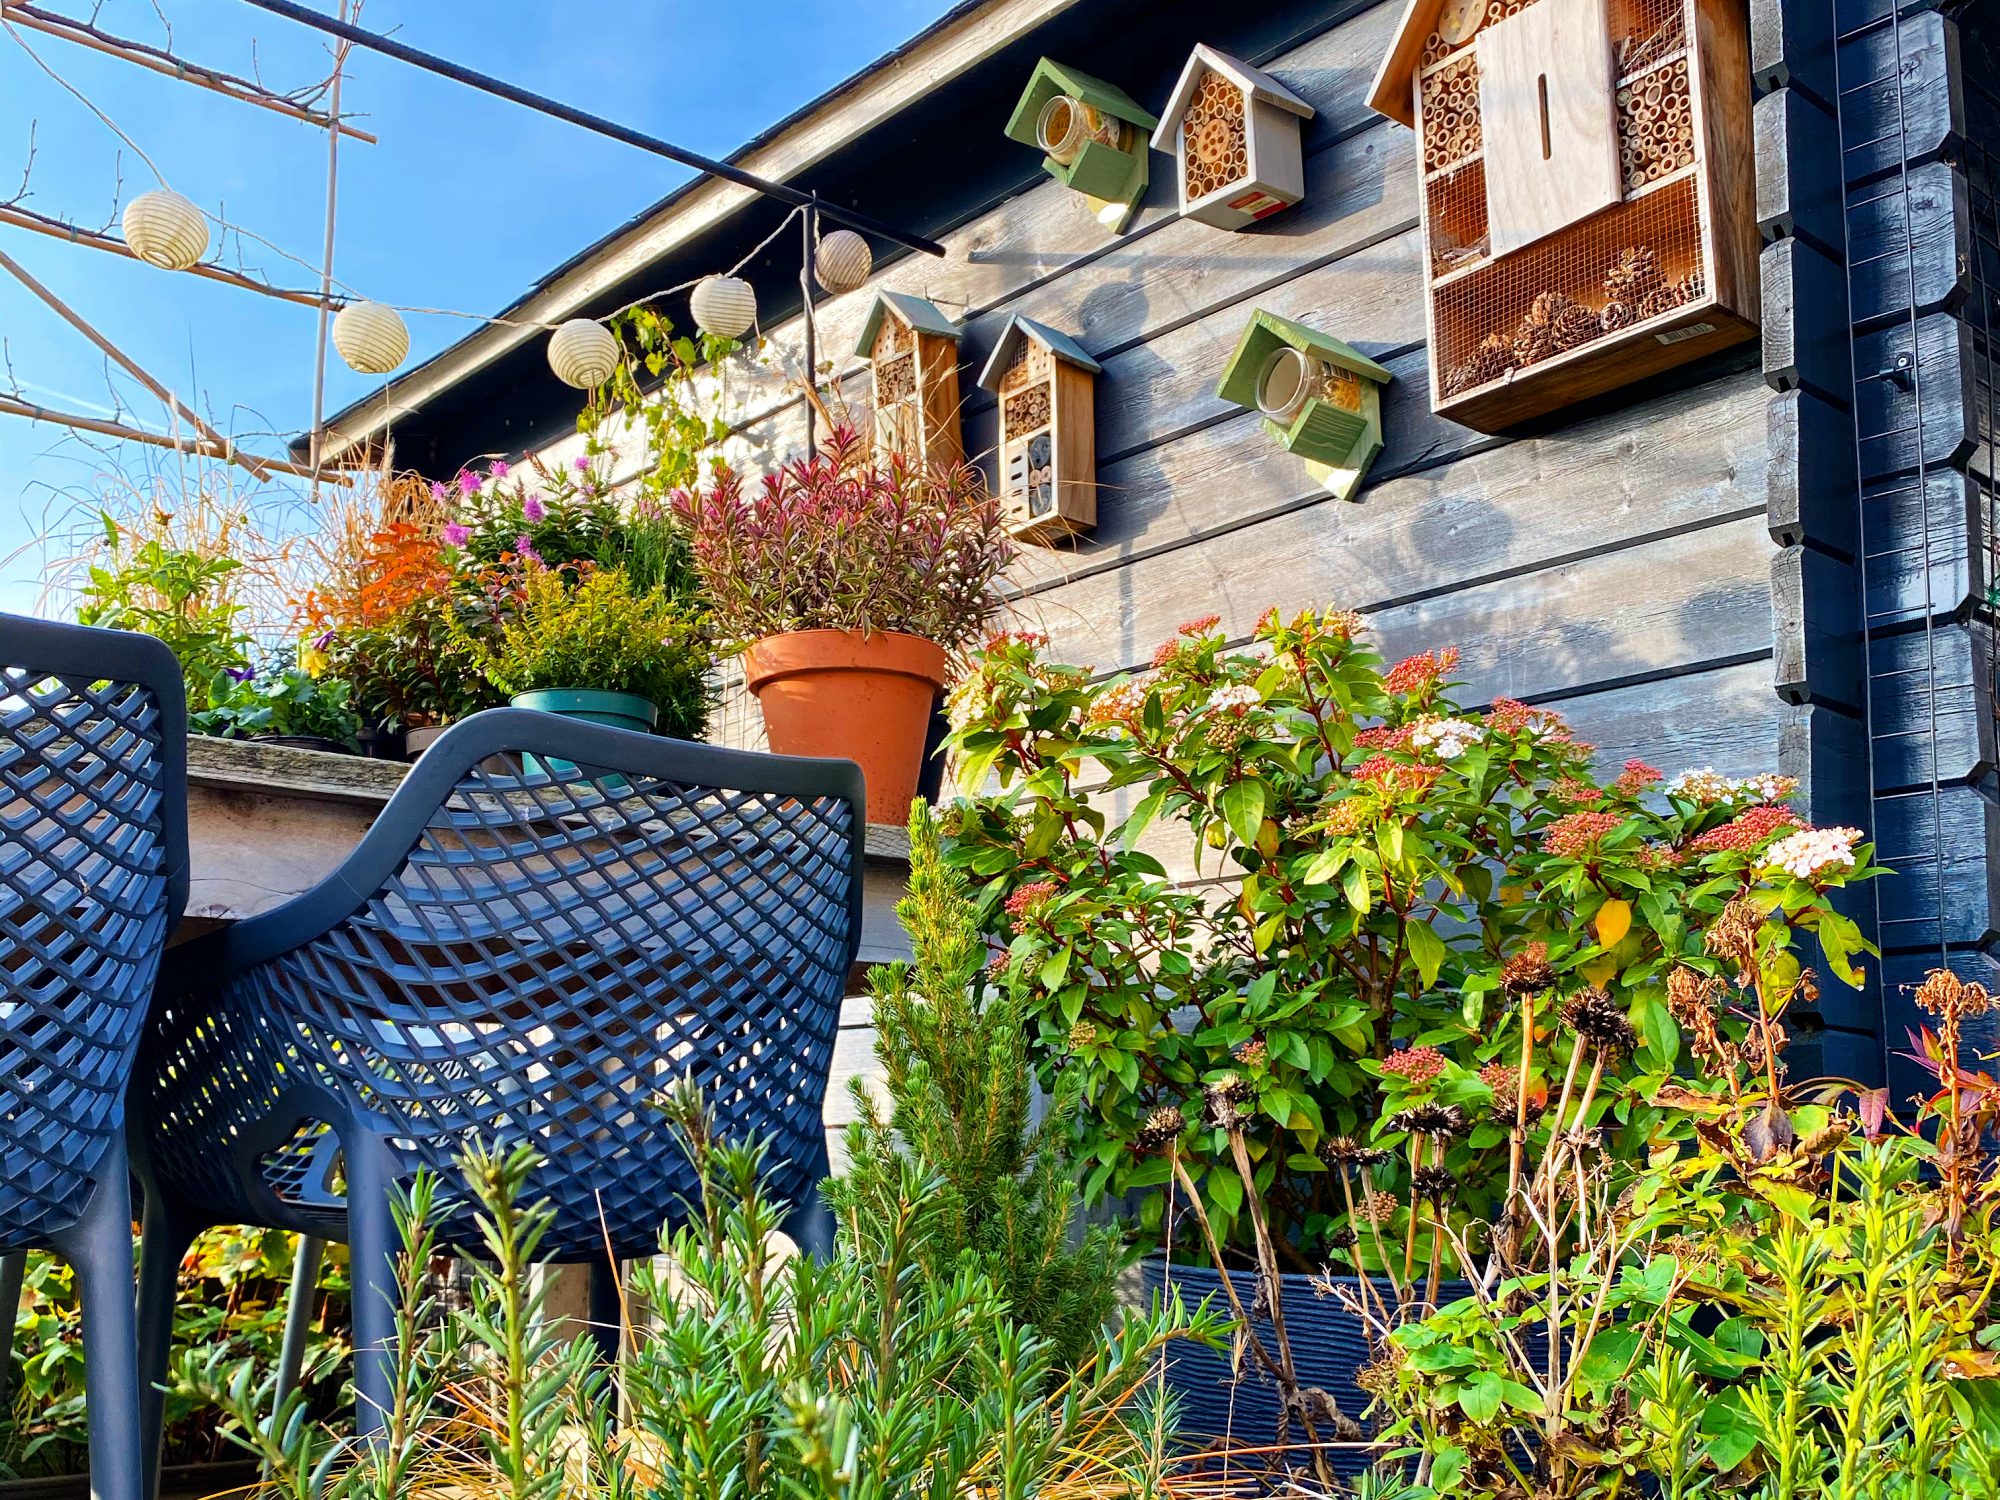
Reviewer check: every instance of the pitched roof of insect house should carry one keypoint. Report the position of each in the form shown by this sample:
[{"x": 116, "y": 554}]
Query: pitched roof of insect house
[
  {"x": 1051, "y": 78},
  {"x": 1264, "y": 334},
  {"x": 1255, "y": 83},
  {"x": 1061, "y": 345},
  {"x": 922, "y": 315},
  {"x": 1390, "y": 94}
]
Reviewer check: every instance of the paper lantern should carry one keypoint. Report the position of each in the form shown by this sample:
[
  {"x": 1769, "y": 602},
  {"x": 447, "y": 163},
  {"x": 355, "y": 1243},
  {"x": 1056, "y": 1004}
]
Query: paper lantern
[
  {"x": 1588, "y": 206},
  {"x": 166, "y": 230},
  {"x": 371, "y": 338},
  {"x": 1046, "y": 387},
  {"x": 724, "y": 306},
  {"x": 583, "y": 353},
  {"x": 843, "y": 262}
]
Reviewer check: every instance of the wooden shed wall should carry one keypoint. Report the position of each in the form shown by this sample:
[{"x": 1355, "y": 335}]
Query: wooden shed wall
[{"x": 1615, "y": 565}]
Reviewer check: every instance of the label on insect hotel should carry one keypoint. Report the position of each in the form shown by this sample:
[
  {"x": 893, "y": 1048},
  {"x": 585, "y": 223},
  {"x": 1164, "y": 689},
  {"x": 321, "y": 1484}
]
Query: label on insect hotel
[{"x": 1692, "y": 331}]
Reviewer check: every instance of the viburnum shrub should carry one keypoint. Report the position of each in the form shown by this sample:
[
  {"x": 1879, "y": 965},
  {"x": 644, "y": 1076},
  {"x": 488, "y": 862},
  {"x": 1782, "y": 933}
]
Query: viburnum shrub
[
  {"x": 840, "y": 542},
  {"x": 1333, "y": 954}
]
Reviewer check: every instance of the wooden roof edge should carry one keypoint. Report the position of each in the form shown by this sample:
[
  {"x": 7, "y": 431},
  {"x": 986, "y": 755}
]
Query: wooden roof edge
[
  {"x": 1391, "y": 93},
  {"x": 1253, "y": 81}
]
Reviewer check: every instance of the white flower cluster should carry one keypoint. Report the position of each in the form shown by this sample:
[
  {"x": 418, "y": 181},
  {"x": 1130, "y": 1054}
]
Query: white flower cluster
[
  {"x": 1237, "y": 698},
  {"x": 1708, "y": 786},
  {"x": 1445, "y": 738},
  {"x": 1812, "y": 851}
]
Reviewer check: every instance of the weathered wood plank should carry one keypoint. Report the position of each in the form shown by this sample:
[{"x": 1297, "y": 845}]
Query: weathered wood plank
[
  {"x": 1670, "y": 466},
  {"x": 1826, "y": 749},
  {"x": 1805, "y": 321},
  {"x": 1901, "y": 95},
  {"x": 1911, "y": 247},
  {"x": 1944, "y": 850},
  {"x": 1925, "y": 711},
  {"x": 1668, "y": 604},
  {"x": 1791, "y": 46},
  {"x": 1921, "y": 549},
  {"x": 1810, "y": 473},
  {"x": 1888, "y": 399},
  {"x": 1798, "y": 170},
  {"x": 1816, "y": 613}
]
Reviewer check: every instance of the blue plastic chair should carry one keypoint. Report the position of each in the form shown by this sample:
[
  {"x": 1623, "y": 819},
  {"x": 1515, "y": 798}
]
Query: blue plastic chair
[
  {"x": 513, "y": 954},
  {"x": 93, "y": 877}
]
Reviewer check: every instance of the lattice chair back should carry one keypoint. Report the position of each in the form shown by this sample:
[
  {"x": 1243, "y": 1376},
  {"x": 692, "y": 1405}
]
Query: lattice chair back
[
  {"x": 93, "y": 876},
  {"x": 550, "y": 923}
]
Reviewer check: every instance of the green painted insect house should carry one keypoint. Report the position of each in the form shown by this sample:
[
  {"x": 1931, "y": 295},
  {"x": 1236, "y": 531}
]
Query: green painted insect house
[
  {"x": 1093, "y": 137},
  {"x": 1320, "y": 399},
  {"x": 1046, "y": 387}
]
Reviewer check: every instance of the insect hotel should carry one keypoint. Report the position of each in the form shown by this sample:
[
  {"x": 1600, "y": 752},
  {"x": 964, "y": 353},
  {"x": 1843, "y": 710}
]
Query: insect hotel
[
  {"x": 1588, "y": 206},
  {"x": 1233, "y": 132},
  {"x": 1046, "y": 387},
  {"x": 912, "y": 351},
  {"x": 1092, "y": 135},
  {"x": 1320, "y": 399}
]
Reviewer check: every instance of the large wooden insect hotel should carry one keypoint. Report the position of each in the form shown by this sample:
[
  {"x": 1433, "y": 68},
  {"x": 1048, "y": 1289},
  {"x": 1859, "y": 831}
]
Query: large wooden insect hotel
[
  {"x": 1234, "y": 135},
  {"x": 1588, "y": 202},
  {"x": 1321, "y": 399},
  {"x": 1093, "y": 138},
  {"x": 1046, "y": 387},
  {"x": 912, "y": 350}
]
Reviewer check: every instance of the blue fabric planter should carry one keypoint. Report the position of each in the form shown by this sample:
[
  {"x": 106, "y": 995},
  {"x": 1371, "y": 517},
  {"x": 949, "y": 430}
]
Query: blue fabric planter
[{"x": 1329, "y": 1347}]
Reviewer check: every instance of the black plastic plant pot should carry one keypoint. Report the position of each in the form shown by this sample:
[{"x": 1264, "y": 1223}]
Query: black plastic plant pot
[{"x": 1329, "y": 1349}]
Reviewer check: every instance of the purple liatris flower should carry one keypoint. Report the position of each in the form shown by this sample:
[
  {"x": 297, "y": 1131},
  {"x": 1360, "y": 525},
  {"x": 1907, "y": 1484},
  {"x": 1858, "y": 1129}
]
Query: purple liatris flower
[
  {"x": 499, "y": 468},
  {"x": 533, "y": 508},
  {"x": 467, "y": 482},
  {"x": 579, "y": 463},
  {"x": 524, "y": 546},
  {"x": 456, "y": 534},
  {"x": 438, "y": 491}
]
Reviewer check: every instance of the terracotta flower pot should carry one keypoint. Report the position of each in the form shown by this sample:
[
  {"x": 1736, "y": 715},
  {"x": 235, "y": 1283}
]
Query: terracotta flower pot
[{"x": 860, "y": 697}]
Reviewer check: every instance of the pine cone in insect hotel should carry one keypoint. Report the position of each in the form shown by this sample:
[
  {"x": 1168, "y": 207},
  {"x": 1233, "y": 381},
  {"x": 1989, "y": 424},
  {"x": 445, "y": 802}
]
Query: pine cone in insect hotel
[
  {"x": 1494, "y": 358},
  {"x": 1554, "y": 322}
]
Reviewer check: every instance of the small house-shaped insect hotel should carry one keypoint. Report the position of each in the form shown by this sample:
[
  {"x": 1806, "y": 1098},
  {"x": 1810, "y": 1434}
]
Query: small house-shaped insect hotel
[
  {"x": 1046, "y": 387},
  {"x": 1092, "y": 135},
  {"x": 912, "y": 349},
  {"x": 1321, "y": 400},
  {"x": 1234, "y": 134},
  {"x": 1588, "y": 202}
]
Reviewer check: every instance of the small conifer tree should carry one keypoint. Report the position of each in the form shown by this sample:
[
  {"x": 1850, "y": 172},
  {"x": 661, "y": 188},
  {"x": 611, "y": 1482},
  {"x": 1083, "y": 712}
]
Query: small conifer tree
[{"x": 953, "y": 1049}]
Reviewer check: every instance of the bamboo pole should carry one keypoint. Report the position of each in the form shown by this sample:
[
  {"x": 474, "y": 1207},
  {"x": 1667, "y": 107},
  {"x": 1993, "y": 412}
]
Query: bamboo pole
[
  {"x": 157, "y": 60},
  {"x": 12, "y": 407},
  {"x": 318, "y": 437},
  {"x": 97, "y": 239},
  {"x": 132, "y": 367}
]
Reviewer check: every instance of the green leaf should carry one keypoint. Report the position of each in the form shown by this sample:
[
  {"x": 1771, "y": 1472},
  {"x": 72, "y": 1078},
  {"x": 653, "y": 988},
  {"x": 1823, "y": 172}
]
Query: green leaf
[
  {"x": 1609, "y": 1356},
  {"x": 1427, "y": 950},
  {"x": 1055, "y": 968},
  {"x": 1243, "y": 808},
  {"x": 1143, "y": 815},
  {"x": 1730, "y": 1430},
  {"x": 1354, "y": 883},
  {"x": 1479, "y": 1398}
]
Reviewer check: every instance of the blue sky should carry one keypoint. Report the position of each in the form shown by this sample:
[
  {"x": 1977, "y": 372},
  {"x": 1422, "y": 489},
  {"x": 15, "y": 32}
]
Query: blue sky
[{"x": 464, "y": 202}]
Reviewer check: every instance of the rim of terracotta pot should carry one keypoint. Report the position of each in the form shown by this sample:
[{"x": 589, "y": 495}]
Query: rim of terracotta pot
[{"x": 793, "y": 652}]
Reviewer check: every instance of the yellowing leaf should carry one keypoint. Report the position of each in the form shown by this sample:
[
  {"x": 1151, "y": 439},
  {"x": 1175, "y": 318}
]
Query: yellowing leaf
[
  {"x": 1599, "y": 971},
  {"x": 1614, "y": 920}
]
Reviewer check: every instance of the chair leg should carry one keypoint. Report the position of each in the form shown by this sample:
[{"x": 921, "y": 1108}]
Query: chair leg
[
  {"x": 163, "y": 1244},
  {"x": 607, "y": 1309},
  {"x": 298, "y": 1317},
  {"x": 371, "y": 1242},
  {"x": 13, "y": 1267},
  {"x": 99, "y": 1246}
]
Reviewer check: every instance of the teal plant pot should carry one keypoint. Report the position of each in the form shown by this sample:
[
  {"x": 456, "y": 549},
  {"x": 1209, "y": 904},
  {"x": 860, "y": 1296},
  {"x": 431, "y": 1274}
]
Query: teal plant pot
[{"x": 618, "y": 710}]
